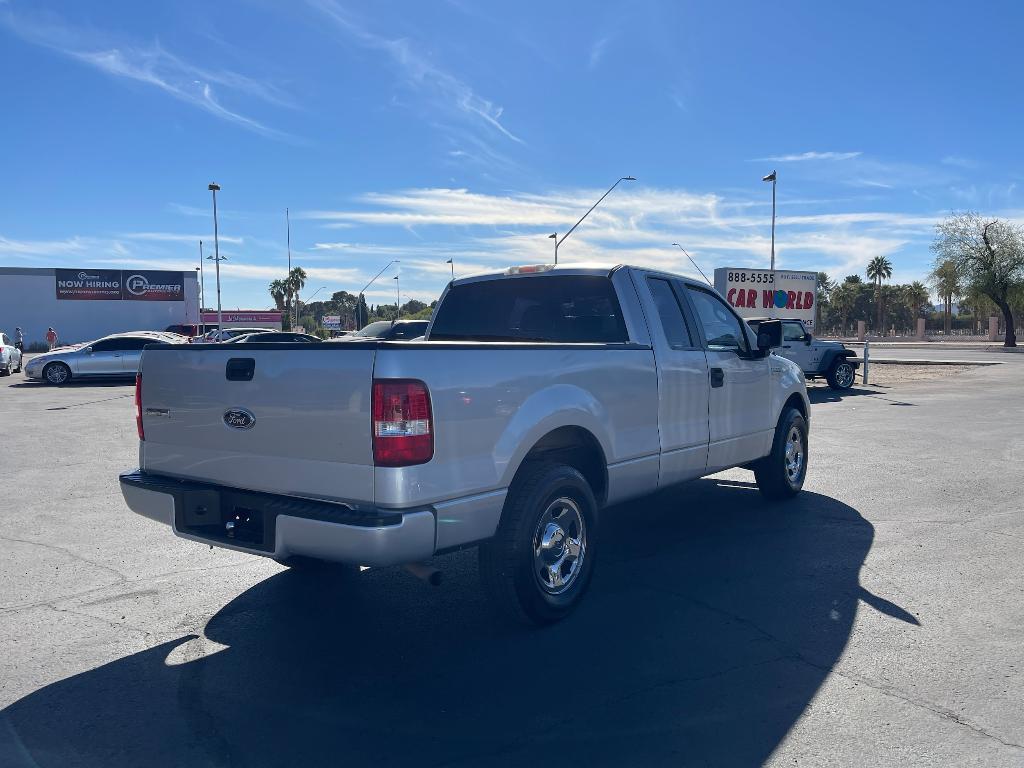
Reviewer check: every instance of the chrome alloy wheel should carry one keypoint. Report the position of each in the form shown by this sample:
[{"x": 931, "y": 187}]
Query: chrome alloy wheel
[
  {"x": 56, "y": 373},
  {"x": 844, "y": 375},
  {"x": 794, "y": 455},
  {"x": 559, "y": 546}
]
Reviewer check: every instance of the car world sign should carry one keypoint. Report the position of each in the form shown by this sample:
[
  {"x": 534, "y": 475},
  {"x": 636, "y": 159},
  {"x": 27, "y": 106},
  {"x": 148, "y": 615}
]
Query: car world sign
[
  {"x": 119, "y": 285},
  {"x": 783, "y": 293}
]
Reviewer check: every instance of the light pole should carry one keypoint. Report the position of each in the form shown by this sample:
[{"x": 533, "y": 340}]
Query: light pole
[
  {"x": 452, "y": 262},
  {"x": 360, "y": 299},
  {"x": 771, "y": 177},
  {"x": 613, "y": 186},
  {"x": 202, "y": 281},
  {"x": 554, "y": 236},
  {"x": 398, "y": 299},
  {"x": 677, "y": 245},
  {"x": 217, "y": 259},
  {"x": 199, "y": 309}
]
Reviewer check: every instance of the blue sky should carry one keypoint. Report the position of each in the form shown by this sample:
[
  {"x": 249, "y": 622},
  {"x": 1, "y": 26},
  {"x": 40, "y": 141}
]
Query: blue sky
[{"x": 423, "y": 131}]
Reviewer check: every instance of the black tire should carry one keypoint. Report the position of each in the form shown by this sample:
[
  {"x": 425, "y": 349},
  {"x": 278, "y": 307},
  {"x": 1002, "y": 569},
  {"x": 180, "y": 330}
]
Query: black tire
[
  {"x": 841, "y": 374},
  {"x": 6, "y": 370},
  {"x": 21, "y": 364},
  {"x": 51, "y": 374},
  {"x": 774, "y": 473},
  {"x": 510, "y": 563}
]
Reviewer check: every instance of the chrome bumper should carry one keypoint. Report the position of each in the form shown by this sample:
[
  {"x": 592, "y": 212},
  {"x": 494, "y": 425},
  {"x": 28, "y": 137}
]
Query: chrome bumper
[{"x": 289, "y": 526}]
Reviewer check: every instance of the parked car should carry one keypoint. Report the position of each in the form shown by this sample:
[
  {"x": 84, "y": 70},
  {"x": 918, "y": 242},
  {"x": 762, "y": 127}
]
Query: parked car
[
  {"x": 540, "y": 396},
  {"x": 276, "y": 337},
  {"x": 217, "y": 336},
  {"x": 115, "y": 356},
  {"x": 816, "y": 358},
  {"x": 389, "y": 330},
  {"x": 10, "y": 356}
]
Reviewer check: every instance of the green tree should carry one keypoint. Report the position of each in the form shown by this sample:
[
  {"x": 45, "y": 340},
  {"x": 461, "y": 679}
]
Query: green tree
[
  {"x": 989, "y": 255},
  {"x": 917, "y": 300},
  {"x": 946, "y": 282},
  {"x": 278, "y": 290},
  {"x": 879, "y": 269},
  {"x": 825, "y": 288}
]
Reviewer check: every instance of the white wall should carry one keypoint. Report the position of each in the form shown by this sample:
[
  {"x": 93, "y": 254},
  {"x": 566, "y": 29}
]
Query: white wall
[{"x": 28, "y": 298}]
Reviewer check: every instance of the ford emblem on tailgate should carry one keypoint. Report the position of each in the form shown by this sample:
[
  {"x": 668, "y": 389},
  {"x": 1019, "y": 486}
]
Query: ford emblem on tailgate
[{"x": 239, "y": 418}]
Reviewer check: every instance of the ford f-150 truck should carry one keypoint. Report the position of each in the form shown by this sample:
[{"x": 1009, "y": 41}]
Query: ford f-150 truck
[{"x": 539, "y": 396}]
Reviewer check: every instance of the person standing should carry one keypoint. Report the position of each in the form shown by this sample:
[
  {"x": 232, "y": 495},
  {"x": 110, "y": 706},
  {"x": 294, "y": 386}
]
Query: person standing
[
  {"x": 51, "y": 337},
  {"x": 19, "y": 339}
]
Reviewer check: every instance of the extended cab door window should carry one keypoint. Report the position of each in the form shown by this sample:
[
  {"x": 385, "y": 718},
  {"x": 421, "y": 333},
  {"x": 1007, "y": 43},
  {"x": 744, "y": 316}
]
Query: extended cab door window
[{"x": 673, "y": 323}]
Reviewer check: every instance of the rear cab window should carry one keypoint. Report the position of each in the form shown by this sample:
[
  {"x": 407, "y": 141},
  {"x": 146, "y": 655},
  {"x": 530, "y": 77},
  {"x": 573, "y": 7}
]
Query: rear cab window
[{"x": 566, "y": 309}]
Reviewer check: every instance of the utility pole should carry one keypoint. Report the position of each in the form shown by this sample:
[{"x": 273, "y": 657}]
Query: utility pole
[
  {"x": 214, "y": 187},
  {"x": 202, "y": 282}
]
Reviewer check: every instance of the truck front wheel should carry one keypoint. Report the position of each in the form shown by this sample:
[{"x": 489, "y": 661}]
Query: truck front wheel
[
  {"x": 780, "y": 474},
  {"x": 540, "y": 562}
]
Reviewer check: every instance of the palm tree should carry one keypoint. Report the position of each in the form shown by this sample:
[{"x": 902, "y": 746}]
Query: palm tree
[
  {"x": 825, "y": 288},
  {"x": 946, "y": 281},
  {"x": 916, "y": 297},
  {"x": 294, "y": 283},
  {"x": 278, "y": 290},
  {"x": 879, "y": 269}
]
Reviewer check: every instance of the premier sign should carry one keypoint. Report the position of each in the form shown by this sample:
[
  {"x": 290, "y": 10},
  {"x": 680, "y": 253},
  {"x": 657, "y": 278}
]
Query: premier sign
[
  {"x": 762, "y": 293},
  {"x": 119, "y": 285}
]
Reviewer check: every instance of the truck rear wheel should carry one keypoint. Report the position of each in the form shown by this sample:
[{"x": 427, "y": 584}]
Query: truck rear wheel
[
  {"x": 780, "y": 474},
  {"x": 540, "y": 562}
]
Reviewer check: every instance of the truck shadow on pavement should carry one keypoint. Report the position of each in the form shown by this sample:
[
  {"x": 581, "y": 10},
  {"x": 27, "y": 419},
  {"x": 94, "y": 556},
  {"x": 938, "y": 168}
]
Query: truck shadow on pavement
[{"x": 712, "y": 621}]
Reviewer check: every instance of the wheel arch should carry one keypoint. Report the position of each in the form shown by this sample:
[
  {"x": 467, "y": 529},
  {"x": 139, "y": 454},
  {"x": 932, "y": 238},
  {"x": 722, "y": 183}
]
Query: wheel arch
[{"x": 576, "y": 447}]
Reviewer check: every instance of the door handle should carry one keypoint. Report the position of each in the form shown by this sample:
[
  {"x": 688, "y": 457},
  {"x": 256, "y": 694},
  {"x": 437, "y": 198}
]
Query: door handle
[{"x": 717, "y": 377}]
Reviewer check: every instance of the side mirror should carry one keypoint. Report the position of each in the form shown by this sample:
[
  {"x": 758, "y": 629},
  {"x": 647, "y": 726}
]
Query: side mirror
[
  {"x": 769, "y": 335},
  {"x": 808, "y": 338},
  {"x": 87, "y": 350}
]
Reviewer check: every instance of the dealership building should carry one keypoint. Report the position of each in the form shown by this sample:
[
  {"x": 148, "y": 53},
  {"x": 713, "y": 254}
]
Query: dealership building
[{"x": 85, "y": 304}]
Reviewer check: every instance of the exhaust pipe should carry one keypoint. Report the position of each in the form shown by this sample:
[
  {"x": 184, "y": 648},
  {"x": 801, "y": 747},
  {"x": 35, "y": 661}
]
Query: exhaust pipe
[{"x": 426, "y": 573}]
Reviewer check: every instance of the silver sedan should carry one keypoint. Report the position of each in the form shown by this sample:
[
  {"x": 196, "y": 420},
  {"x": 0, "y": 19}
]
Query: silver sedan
[{"x": 111, "y": 357}]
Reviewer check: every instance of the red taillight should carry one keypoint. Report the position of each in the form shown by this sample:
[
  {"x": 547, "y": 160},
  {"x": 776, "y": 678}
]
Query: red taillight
[
  {"x": 403, "y": 433},
  {"x": 138, "y": 406}
]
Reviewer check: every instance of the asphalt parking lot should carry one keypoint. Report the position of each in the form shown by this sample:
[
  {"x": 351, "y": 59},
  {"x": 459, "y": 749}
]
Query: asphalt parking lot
[{"x": 876, "y": 620}]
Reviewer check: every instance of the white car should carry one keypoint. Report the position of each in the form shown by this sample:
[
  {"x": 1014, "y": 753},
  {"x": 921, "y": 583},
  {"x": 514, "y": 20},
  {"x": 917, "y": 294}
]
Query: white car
[{"x": 10, "y": 356}]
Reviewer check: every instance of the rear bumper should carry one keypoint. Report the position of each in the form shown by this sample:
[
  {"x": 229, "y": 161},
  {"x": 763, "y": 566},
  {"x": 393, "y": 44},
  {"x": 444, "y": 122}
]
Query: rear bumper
[{"x": 282, "y": 526}]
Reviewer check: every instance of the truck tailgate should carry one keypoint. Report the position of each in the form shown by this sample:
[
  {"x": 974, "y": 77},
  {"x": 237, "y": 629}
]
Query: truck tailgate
[{"x": 298, "y": 424}]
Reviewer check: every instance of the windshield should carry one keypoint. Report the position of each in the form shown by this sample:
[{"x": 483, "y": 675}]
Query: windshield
[{"x": 375, "y": 329}]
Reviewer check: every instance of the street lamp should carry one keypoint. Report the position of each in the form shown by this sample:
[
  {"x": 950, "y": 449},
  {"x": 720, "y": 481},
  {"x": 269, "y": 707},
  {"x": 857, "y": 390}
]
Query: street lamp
[
  {"x": 321, "y": 288},
  {"x": 360, "y": 299},
  {"x": 452, "y": 262},
  {"x": 202, "y": 282},
  {"x": 398, "y": 299},
  {"x": 677, "y": 245},
  {"x": 771, "y": 177},
  {"x": 613, "y": 186},
  {"x": 554, "y": 236},
  {"x": 216, "y": 258}
]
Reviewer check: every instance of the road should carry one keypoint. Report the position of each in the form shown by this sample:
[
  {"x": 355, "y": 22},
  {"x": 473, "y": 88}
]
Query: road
[
  {"x": 948, "y": 352},
  {"x": 874, "y": 621}
]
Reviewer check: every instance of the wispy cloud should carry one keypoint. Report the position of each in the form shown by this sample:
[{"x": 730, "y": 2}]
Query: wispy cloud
[
  {"x": 959, "y": 162},
  {"x": 152, "y": 65},
  {"x": 419, "y": 72},
  {"x": 174, "y": 237},
  {"x": 597, "y": 50},
  {"x": 806, "y": 156}
]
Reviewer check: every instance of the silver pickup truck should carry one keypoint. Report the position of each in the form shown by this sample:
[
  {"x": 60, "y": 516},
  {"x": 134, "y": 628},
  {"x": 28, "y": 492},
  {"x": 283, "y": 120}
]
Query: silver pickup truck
[{"x": 539, "y": 396}]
